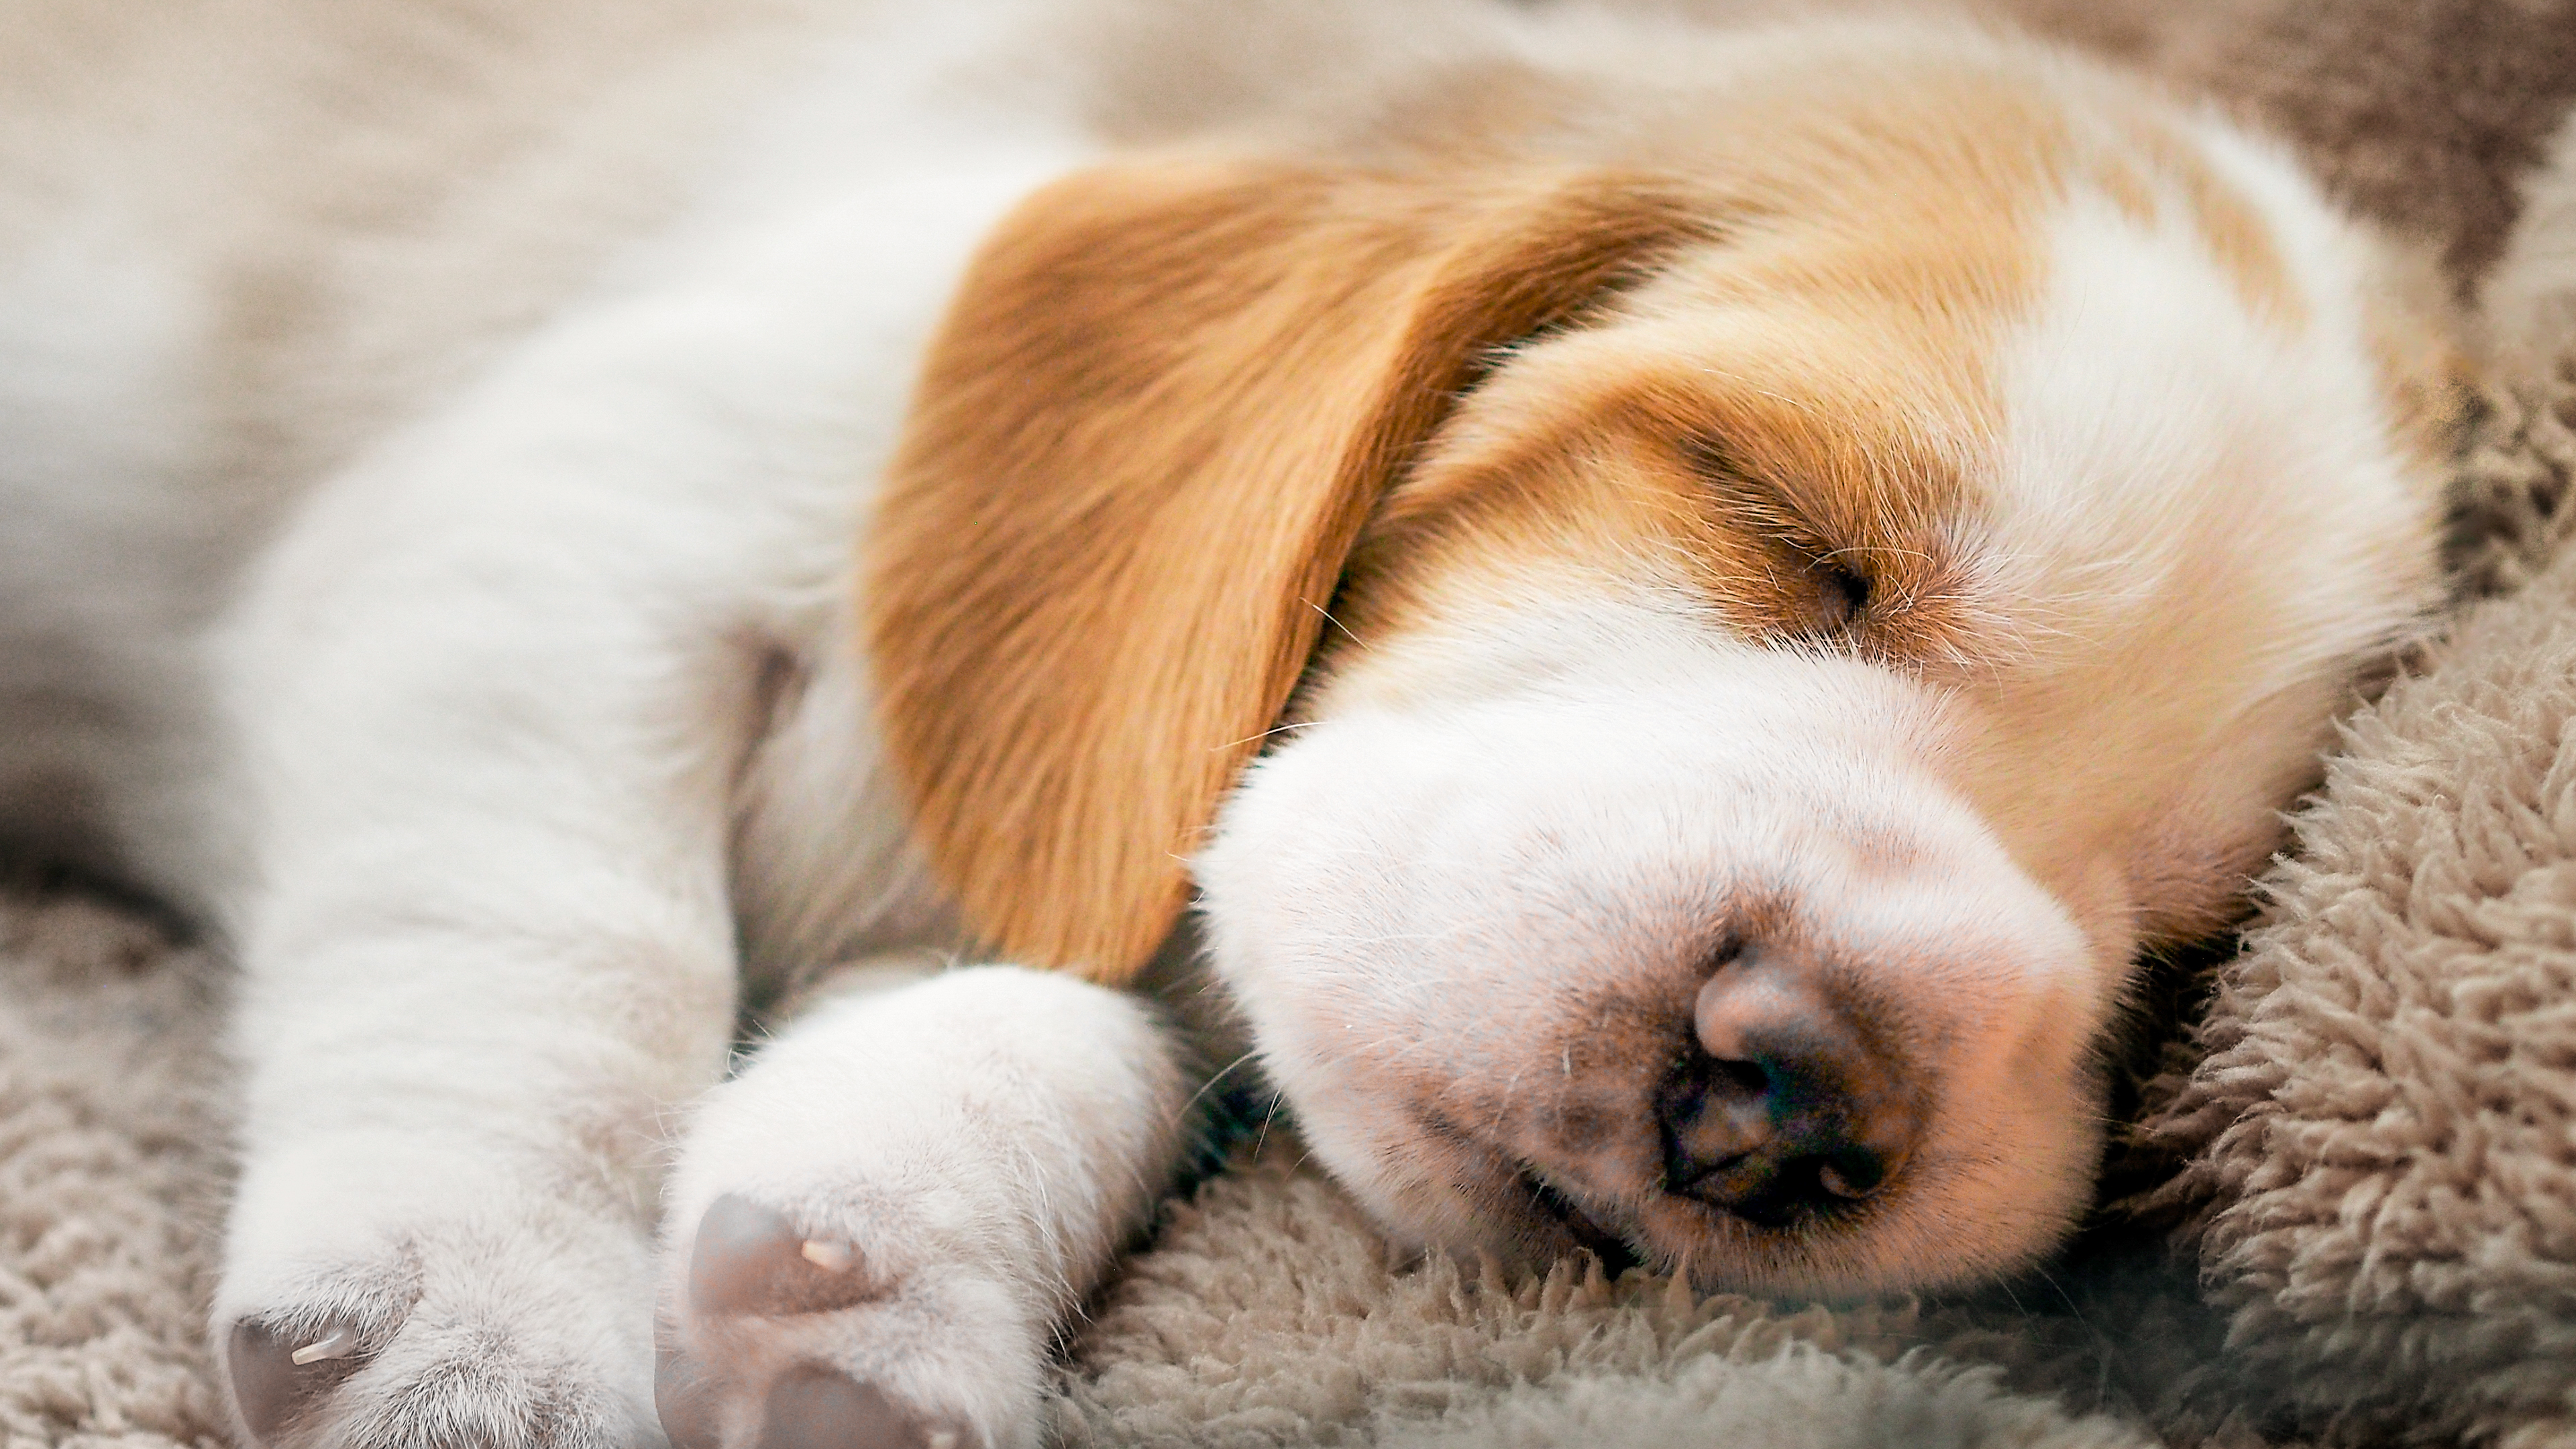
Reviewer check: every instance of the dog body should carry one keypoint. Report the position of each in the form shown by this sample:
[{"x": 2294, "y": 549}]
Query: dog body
[{"x": 1695, "y": 597}]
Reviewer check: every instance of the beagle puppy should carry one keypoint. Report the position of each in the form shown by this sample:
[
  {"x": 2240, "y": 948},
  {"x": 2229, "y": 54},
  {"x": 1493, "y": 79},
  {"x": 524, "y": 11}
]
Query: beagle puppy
[{"x": 1661, "y": 611}]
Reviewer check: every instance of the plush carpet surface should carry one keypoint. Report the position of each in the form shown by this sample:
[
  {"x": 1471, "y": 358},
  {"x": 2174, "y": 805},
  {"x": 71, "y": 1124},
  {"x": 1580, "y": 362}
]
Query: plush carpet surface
[
  {"x": 112, "y": 1167},
  {"x": 2345, "y": 1212},
  {"x": 2384, "y": 1132},
  {"x": 1270, "y": 1314}
]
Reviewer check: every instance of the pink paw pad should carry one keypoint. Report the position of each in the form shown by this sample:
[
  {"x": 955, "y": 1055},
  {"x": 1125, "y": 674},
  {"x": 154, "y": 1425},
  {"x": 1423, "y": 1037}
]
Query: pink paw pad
[{"x": 749, "y": 1263}]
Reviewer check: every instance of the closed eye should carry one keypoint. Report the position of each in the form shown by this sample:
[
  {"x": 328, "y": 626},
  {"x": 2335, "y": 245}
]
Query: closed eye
[
  {"x": 1824, "y": 589},
  {"x": 1844, "y": 588}
]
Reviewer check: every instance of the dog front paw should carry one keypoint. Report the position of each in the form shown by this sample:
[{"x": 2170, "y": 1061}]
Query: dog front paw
[
  {"x": 514, "y": 1322},
  {"x": 875, "y": 1229},
  {"x": 830, "y": 1325}
]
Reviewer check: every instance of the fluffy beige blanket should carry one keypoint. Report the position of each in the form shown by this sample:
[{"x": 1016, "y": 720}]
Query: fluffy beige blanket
[{"x": 2344, "y": 1210}]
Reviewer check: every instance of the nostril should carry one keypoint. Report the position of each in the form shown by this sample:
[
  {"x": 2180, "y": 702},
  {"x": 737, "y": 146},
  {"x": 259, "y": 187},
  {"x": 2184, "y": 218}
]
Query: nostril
[
  {"x": 1713, "y": 1125},
  {"x": 1750, "y": 1079},
  {"x": 1785, "y": 1108},
  {"x": 1854, "y": 1172}
]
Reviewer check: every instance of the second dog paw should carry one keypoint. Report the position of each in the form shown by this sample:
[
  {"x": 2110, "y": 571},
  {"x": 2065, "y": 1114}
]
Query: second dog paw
[
  {"x": 500, "y": 1318},
  {"x": 789, "y": 1331}
]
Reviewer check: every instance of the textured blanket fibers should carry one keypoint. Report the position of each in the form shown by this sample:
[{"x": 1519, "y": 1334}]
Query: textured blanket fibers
[
  {"x": 112, "y": 1170},
  {"x": 2382, "y": 1139},
  {"x": 1267, "y": 1312}
]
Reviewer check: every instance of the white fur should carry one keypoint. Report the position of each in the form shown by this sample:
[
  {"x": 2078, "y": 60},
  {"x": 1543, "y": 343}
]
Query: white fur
[{"x": 1412, "y": 901}]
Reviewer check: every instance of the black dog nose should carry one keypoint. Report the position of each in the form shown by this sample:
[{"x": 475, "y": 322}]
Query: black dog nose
[{"x": 1787, "y": 1107}]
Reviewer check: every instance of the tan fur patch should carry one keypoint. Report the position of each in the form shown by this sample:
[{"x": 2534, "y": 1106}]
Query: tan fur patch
[
  {"x": 1703, "y": 454},
  {"x": 1163, "y": 404},
  {"x": 1781, "y": 425},
  {"x": 1787, "y": 429},
  {"x": 1172, "y": 392}
]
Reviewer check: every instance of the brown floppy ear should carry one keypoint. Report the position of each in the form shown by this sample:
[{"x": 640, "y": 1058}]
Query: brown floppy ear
[{"x": 1162, "y": 404}]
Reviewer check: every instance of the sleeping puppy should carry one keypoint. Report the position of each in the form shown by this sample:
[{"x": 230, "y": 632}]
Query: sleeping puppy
[{"x": 1677, "y": 606}]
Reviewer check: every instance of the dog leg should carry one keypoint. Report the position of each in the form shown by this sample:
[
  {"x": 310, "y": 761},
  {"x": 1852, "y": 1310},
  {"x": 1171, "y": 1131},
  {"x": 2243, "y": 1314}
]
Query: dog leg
[
  {"x": 487, "y": 951},
  {"x": 493, "y": 699},
  {"x": 877, "y": 1228},
  {"x": 497, "y": 686}
]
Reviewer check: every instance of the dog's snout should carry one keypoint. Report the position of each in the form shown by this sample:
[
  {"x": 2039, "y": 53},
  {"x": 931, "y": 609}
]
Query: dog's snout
[{"x": 1785, "y": 1106}]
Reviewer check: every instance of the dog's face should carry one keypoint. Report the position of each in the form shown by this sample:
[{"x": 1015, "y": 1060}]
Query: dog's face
[
  {"x": 1770, "y": 721},
  {"x": 1808, "y": 603}
]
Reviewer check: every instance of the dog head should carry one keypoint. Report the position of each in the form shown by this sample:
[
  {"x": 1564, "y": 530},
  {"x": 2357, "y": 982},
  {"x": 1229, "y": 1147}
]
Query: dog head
[{"x": 1692, "y": 630}]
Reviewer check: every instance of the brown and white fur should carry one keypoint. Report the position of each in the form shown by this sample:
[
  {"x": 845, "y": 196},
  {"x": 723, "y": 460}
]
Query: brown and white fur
[{"x": 1616, "y": 558}]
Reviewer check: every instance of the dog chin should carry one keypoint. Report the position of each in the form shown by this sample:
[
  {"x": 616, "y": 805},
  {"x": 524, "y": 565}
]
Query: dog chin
[{"x": 1476, "y": 946}]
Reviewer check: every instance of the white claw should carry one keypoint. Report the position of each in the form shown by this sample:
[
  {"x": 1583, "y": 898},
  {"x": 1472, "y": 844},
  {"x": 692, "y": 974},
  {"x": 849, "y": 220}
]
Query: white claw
[
  {"x": 339, "y": 1343},
  {"x": 829, "y": 1256}
]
